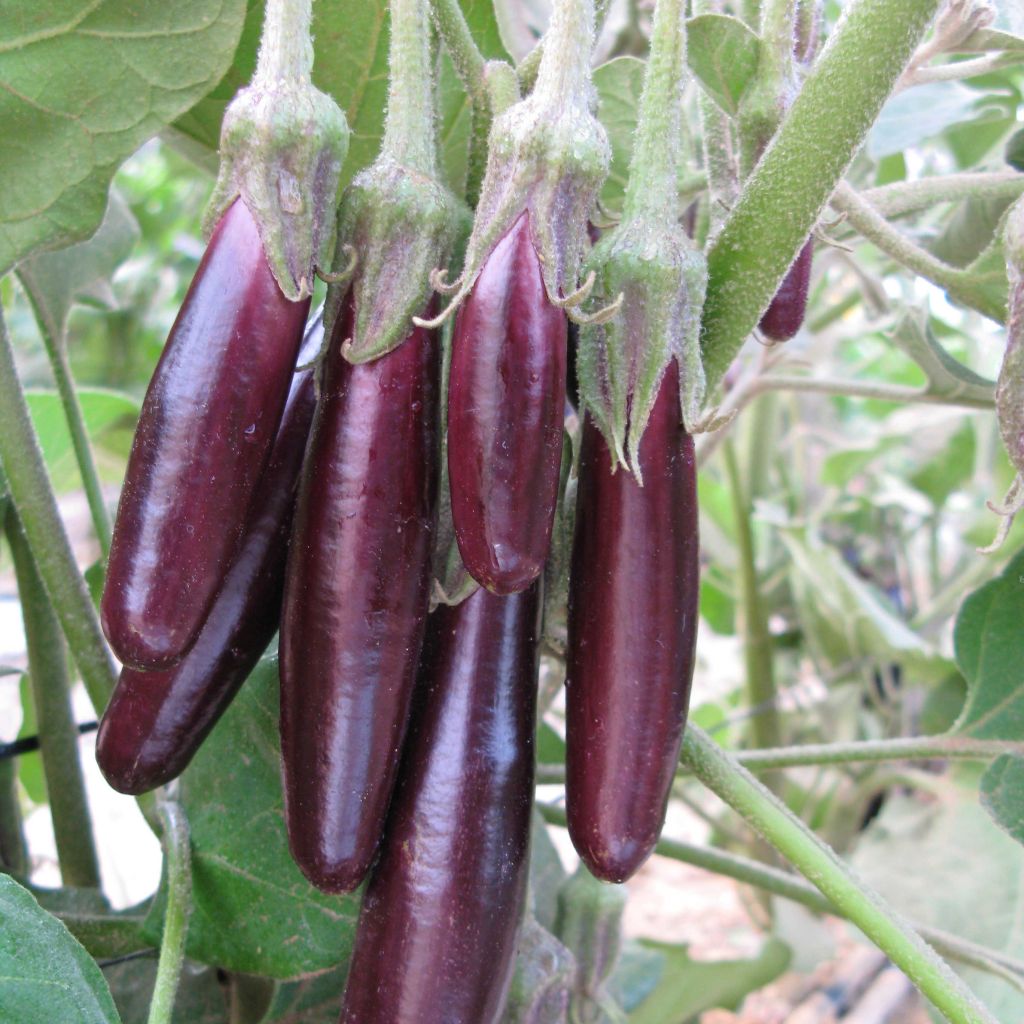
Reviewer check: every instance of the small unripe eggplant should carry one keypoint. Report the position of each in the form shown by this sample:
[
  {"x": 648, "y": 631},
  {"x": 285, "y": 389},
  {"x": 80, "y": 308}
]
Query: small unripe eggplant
[
  {"x": 785, "y": 314},
  {"x": 436, "y": 938},
  {"x": 506, "y": 400},
  {"x": 356, "y": 600},
  {"x": 633, "y": 602},
  {"x": 156, "y": 721},
  {"x": 205, "y": 433}
]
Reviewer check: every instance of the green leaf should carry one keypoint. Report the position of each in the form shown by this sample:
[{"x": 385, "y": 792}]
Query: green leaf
[
  {"x": 46, "y": 975},
  {"x": 252, "y": 909},
  {"x": 913, "y": 115},
  {"x": 200, "y": 998},
  {"x": 986, "y": 39},
  {"x": 684, "y": 987},
  {"x": 550, "y": 746},
  {"x": 723, "y": 53},
  {"x": 546, "y": 873},
  {"x": 987, "y": 643},
  {"x": 30, "y": 766},
  {"x": 314, "y": 1000},
  {"x": 950, "y": 469},
  {"x": 85, "y": 84},
  {"x": 619, "y": 84},
  {"x": 1002, "y": 794},
  {"x": 55, "y": 280},
  {"x": 946, "y": 376}
]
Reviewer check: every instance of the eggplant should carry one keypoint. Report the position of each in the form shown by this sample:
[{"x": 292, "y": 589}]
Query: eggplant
[
  {"x": 506, "y": 400},
  {"x": 633, "y": 606},
  {"x": 785, "y": 313},
  {"x": 205, "y": 432},
  {"x": 156, "y": 721},
  {"x": 356, "y": 601},
  {"x": 436, "y": 938}
]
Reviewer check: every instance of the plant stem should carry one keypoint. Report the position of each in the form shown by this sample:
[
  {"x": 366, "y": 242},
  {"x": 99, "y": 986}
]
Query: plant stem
[
  {"x": 782, "y": 883},
  {"x": 409, "y": 128},
  {"x": 820, "y": 864},
  {"x": 179, "y": 905},
  {"x": 961, "y": 69},
  {"x": 30, "y": 489},
  {"x": 458, "y": 41},
  {"x": 904, "y": 197},
  {"x": 651, "y": 191},
  {"x": 528, "y": 67},
  {"x": 961, "y": 285},
  {"x": 565, "y": 63},
  {"x": 54, "y": 340},
  {"x": 13, "y": 850},
  {"x": 861, "y": 389},
  {"x": 757, "y": 641},
  {"x": 792, "y": 182},
  {"x": 286, "y": 49},
  {"x": 58, "y": 734}
]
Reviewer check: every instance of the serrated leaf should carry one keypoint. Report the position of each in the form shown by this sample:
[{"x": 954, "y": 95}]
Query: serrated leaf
[
  {"x": 85, "y": 84},
  {"x": 1002, "y": 794},
  {"x": 619, "y": 84},
  {"x": 252, "y": 909},
  {"x": 946, "y": 376},
  {"x": 723, "y": 53},
  {"x": 46, "y": 974},
  {"x": 987, "y": 643}
]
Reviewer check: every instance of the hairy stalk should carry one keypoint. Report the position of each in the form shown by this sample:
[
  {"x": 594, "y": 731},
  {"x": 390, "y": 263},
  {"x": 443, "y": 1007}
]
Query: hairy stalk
[
  {"x": 22, "y": 461},
  {"x": 529, "y": 66},
  {"x": 725, "y": 777},
  {"x": 13, "y": 849},
  {"x": 58, "y": 734},
  {"x": 903, "y": 197},
  {"x": 286, "y": 49},
  {"x": 862, "y": 389},
  {"x": 806, "y": 159},
  {"x": 458, "y": 41},
  {"x": 409, "y": 126}
]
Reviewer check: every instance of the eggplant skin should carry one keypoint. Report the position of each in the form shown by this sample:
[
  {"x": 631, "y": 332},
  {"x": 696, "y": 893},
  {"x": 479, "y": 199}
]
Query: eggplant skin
[
  {"x": 437, "y": 933},
  {"x": 356, "y": 601},
  {"x": 633, "y": 608},
  {"x": 156, "y": 721},
  {"x": 785, "y": 313},
  {"x": 506, "y": 402},
  {"x": 205, "y": 432}
]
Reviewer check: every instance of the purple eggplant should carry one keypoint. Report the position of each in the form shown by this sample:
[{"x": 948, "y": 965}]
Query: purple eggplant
[
  {"x": 785, "y": 313},
  {"x": 506, "y": 399},
  {"x": 633, "y": 603},
  {"x": 205, "y": 433},
  {"x": 156, "y": 721},
  {"x": 356, "y": 600},
  {"x": 436, "y": 938}
]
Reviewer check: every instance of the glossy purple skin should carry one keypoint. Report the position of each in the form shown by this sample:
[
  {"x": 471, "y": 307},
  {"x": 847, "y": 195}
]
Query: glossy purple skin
[
  {"x": 156, "y": 721},
  {"x": 207, "y": 425},
  {"x": 506, "y": 399},
  {"x": 436, "y": 939},
  {"x": 633, "y": 603},
  {"x": 356, "y": 600},
  {"x": 785, "y": 314}
]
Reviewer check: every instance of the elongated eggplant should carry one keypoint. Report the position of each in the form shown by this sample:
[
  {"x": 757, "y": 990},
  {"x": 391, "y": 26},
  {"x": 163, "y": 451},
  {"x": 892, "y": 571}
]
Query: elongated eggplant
[
  {"x": 506, "y": 398},
  {"x": 156, "y": 721},
  {"x": 356, "y": 600},
  {"x": 633, "y": 600},
  {"x": 205, "y": 433},
  {"x": 436, "y": 938},
  {"x": 785, "y": 314}
]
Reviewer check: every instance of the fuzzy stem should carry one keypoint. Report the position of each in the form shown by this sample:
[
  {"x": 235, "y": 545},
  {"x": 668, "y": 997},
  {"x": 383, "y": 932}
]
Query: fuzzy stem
[
  {"x": 58, "y": 733},
  {"x": 564, "y": 70},
  {"x": 54, "y": 341},
  {"x": 286, "y": 49},
  {"x": 651, "y": 192},
  {"x": 458, "y": 41},
  {"x": 904, "y": 197},
  {"x": 179, "y": 905},
  {"x": 529, "y": 66},
  {"x": 807, "y": 157},
  {"x": 959, "y": 284},
  {"x": 959, "y": 70},
  {"x": 819, "y": 863},
  {"x": 861, "y": 389},
  {"x": 790, "y": 887},
  {"x": 13, "y": 849},
  {"x": 409, "y": 129},
  {"x": 30, "y": 489}
]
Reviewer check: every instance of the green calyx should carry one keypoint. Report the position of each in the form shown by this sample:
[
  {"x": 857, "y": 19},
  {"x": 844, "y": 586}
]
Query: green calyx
[
  {"x": 401, "y": 225},
  {"x": 662, "y": 279},
  {"x": 282, "y": 145},
  {"x": 543, "y": 979}
]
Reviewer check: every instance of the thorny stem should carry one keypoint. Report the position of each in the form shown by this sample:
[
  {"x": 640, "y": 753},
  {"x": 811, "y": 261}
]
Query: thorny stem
[
  {"x": 286, "y": 49},
  {"x": 33, "y": 497},
  {"x": 782, "y": 883},
  {"x": 807, "y": 157},
  {"x": 904, "y": 197},
  {"x": 409, "y": 128},
  {"x": 733, "y": 784},
  {"x": 179, "y": 905},
  {"x": 961, "y": 285},
  {"x": 58, "y": 733}
]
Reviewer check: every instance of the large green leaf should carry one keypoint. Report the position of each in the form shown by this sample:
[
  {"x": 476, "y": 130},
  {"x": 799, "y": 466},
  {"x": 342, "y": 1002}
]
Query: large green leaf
[
  {"x": 987, "y": 642},
  {"x": 946, "y": 375},
  {"x": 619, "y": 84},
  {"x": 45, "y": 974},
  {"x": 252, "y": 909},
  {"x": 723, "y": 53},
  {"x": 86, "y": 82},
  {"x": 1002, "y": 794}
]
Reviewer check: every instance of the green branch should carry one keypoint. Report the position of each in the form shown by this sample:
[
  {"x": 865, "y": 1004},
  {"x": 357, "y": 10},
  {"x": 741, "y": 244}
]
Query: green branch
[
  {"x": 458, "y": 41},
  {"x": 22, "y": 461},
  {"x": 862, "y": 389},
  {"x": 781, "y": 201},
  {"x": 58, "y": 733},
  {"x": 903, "y": 197}
]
